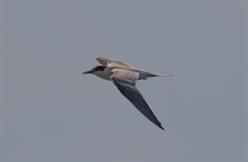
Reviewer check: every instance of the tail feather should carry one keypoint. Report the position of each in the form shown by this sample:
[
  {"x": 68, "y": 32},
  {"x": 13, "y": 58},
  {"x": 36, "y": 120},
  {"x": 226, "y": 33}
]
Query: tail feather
[
  {"x": 166, "y": 75},
  {"x": 145, "y": 75}
]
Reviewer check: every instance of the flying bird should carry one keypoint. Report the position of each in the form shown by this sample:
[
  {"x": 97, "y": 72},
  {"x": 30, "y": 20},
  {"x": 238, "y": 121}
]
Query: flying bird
[{"x": 124, "y": 77}]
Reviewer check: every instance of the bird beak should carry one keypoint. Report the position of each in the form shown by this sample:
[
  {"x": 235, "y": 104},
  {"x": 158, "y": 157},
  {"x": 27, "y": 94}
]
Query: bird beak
[{"x": 88, "y": 72}]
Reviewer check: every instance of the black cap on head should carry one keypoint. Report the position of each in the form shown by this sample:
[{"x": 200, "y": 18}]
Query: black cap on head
[{"x": 99, "y": 68}]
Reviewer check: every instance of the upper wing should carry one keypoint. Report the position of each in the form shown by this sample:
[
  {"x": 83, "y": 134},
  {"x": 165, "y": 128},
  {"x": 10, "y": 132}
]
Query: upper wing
[
  {"x": 128, "y": 89},
  {"x": 110, "y": 62}
]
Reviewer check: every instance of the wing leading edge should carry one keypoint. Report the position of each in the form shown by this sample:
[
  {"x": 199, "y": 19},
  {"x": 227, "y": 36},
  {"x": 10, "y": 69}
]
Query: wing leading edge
[{"x": 111, "y": 62}]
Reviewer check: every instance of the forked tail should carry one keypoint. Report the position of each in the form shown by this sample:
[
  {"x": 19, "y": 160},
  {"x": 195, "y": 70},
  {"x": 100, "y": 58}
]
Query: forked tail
[{"x": 145, "y": 75}]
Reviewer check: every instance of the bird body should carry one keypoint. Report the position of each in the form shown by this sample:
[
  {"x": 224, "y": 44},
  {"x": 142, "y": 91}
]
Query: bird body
[{"x": 124, "y": 77}]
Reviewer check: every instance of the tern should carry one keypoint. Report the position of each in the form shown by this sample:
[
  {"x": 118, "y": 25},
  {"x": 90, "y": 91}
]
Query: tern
[{"x": 125, "y": 76}]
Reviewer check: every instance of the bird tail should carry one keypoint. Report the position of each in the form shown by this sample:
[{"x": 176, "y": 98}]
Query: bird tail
[
  {"x": 145, "y": 75},
  {"x": 165, "y": 75}
]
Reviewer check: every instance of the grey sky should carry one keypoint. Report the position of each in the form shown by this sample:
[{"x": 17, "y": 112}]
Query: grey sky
[{"x": 49, "y": 111}]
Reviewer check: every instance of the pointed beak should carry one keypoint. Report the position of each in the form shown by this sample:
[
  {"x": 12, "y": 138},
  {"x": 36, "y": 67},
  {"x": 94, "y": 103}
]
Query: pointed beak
[{"x": 88, "y": 72}]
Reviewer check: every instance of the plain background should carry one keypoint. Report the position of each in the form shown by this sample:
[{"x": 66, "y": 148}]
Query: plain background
[{"x": 49, "y": 111}]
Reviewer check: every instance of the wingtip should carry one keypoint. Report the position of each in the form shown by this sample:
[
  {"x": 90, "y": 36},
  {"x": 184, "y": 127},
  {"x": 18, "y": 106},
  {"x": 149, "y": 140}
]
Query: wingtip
[{"x": 161, "y": 127}]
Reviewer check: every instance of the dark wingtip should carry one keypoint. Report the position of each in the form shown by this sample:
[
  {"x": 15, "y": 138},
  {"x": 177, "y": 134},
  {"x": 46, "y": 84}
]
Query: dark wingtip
[{"x": 161, "y": 127}]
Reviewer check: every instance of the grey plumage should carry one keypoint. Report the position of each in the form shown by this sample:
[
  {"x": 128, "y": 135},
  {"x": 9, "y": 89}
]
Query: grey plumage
[{"x": 124, "y": 77}]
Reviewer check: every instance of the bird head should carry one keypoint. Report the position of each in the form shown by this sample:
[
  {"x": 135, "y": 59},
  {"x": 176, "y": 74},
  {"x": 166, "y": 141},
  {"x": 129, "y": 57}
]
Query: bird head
[{"x": 96, "y": 69}]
